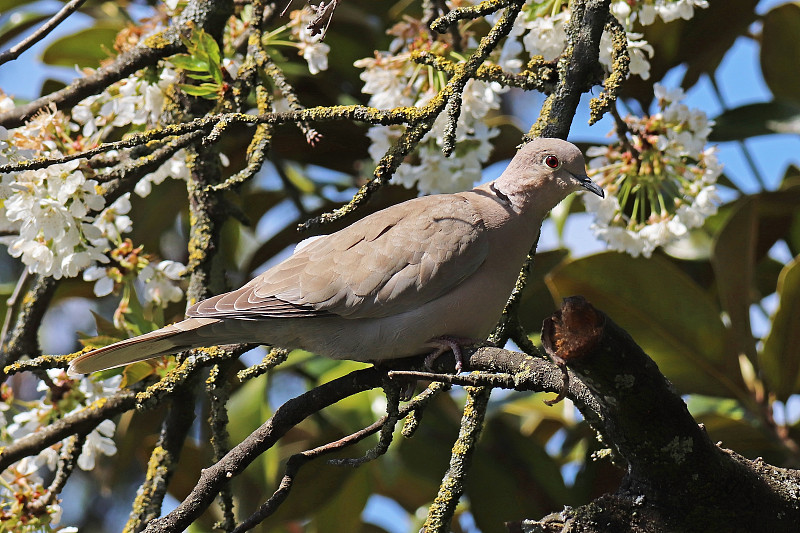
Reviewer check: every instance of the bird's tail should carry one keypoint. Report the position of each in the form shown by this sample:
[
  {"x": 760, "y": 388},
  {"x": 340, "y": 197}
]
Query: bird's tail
[{"x": 167, "y": 340}]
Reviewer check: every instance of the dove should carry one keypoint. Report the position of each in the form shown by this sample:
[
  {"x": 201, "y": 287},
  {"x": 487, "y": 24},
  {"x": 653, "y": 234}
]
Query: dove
[{"x": 423, "y": 276}]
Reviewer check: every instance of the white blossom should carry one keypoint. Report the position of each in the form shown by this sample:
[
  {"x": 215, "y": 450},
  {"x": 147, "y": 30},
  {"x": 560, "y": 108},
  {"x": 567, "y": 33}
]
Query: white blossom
[
  {"x": 393, "y": 79},
  {"x": 52, "y": 210},
  {"x": 662, "y": 186},
  {"x": 647, "y": 10},
  {"x": 159, "y": 282},
  {"x": 97, "y": 442},
  {"x": 311, "y": 47},
  {"x": 104, "y": 284},
  {"x": 113, "y": 221},
  {"x": 316, "y": 55},
  {"x": 175, "y": 167},
  {"x": 547, "y": 35}
]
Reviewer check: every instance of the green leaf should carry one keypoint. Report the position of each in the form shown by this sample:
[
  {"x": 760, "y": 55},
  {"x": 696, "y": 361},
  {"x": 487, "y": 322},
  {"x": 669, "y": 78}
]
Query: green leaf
[
  {"x": 507, "y": 463},
  {"x": 187, "y": 62},
  {"x": 734, "y": 260},
  {"x": 86, "y": 48},
  {"x": 780, "y": 51},
  {"x": 199, "y": 90},
  {"x": 676, "y": 322},
  {"x": 14, "y": 26},
  {"x": 209, "y": 47},
  {"x": 8, "y": 5},
  {"x": 50, "y": 86},
  {"x": 343, "y": 511},
  {"x": 753, "y": 120},
  {"x": 536, "y": 304},
  {"x": 780, "y": 357},
  {"x": 106, "y": 327},
  {"x": 199, "y": 76}
]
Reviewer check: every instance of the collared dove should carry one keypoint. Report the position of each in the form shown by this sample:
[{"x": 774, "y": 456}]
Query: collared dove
[{"x": 400, "y": 282}]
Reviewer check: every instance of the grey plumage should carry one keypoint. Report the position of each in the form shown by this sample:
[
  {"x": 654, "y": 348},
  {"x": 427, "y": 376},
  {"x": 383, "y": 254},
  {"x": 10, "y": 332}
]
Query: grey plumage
[{"x": 388, "y": 285}]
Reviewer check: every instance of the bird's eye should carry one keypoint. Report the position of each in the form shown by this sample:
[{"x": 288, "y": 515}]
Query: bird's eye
[{"x": 552, "y": 161}]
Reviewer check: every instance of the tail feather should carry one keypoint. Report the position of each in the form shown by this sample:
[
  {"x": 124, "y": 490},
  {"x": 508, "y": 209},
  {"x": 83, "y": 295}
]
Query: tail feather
[{"x": 167, "y": 340}]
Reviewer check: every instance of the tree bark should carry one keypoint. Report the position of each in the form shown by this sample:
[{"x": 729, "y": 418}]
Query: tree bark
[{"x": 676, "y": 478}]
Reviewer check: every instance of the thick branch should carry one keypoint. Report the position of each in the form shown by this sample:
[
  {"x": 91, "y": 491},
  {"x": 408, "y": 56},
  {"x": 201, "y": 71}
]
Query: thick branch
[
  {"x": 578, "y": 69},
  {"x": 677, "y": 479},
  {"x": 80, "y": 423}
]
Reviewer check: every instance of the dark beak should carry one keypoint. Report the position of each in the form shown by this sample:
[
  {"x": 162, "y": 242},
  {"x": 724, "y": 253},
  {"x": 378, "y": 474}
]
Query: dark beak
[{"x": 589, "y": 185}]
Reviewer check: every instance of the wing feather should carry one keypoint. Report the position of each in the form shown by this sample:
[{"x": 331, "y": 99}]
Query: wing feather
[{"x": 386, "y": 263}]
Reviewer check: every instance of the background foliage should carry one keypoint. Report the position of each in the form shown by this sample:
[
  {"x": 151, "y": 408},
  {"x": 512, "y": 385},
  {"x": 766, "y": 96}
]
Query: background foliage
[{"x": 691, "y": 306}]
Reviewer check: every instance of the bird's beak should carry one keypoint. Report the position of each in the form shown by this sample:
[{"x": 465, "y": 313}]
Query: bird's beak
[{"x": 589, "y": 185}]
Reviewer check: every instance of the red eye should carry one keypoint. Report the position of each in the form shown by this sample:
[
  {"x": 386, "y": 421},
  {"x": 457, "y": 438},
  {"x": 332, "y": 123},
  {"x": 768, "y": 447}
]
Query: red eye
[{"x": 552, "y": 161}]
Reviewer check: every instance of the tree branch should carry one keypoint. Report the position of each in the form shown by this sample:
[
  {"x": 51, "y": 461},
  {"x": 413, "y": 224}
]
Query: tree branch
[
  {"x": 286, "y": 416},
  {"x": 207, "y": 14},
  {"x": 677, "y": 479},
  {"x": 43, "y": 31},
  {"x": 578, "y": 68}
]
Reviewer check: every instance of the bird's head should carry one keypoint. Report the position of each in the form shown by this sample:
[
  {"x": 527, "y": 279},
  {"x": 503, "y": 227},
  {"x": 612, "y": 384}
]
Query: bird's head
[{"x": 544, "y": 172}]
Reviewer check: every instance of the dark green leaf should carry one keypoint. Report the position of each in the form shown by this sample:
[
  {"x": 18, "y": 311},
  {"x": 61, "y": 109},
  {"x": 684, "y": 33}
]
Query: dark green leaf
[
  {"x": 343, "y": 511},
  {"x": 753, "y": 120},
  {"x": 734, "y": 260},
  {"x": 780, "y": 51},
  {"x": 780, "y": 357},
  {"x": 50, "y": 86},
  {"x": 512, "y": 475},
  {"x": 14, "y": 26},
  {"x": 537, "y": 304},
  {"x": 669, "y": 316},
  {"x": 86, "y": 48}
]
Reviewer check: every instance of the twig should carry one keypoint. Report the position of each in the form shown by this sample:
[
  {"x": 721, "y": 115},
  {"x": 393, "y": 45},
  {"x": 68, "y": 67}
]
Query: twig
[
  {"x": 82, "y": 422},
  {"x": 66, "y": 464},
  {"x": 392, "y": 391},
  {"x": 322, "y": 11},
  {"x": 441, "y": 512},
  {"x": 296, "y": 461},
  {"x": 163, "y": 460},
  {"x": 11, "y": 304},
  {"x": 286, "y": 416},
  {"x": 15, "y": 51}
]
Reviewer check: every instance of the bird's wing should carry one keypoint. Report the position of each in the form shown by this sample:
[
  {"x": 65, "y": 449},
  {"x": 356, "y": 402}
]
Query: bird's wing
[{"x": 389, "y": 262}]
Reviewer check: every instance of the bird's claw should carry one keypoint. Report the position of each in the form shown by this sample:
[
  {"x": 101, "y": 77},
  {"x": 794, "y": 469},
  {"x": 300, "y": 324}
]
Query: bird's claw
[{"x": 446, "y": 344}]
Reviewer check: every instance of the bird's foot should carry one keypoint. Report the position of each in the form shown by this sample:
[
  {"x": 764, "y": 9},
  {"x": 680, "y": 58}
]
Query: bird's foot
[{"x": 447, "y": 343}]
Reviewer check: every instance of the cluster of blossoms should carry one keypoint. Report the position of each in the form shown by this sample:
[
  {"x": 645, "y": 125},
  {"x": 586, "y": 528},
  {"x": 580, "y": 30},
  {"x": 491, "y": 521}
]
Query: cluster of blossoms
[
  {"x": 647, "y": 10},
  {"x": 51, "y": 211},
  {"x": 24, "y": 500},
  {"x": 546, "y": 34},
  {"x": 660, "y": 182},
  {"x": 56, "y": 219},
  {"x": 393, "y": 79}
]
